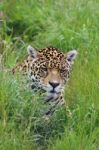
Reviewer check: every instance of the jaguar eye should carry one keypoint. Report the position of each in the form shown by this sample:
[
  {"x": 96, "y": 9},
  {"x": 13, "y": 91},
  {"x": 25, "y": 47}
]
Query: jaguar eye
[
  {"x": 44, "y": 69},
  {"x": 62, "y": 70}
]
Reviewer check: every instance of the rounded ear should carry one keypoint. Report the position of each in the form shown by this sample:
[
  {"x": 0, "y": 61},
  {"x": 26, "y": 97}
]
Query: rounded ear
[
  {"x": 32, "y": 52},
  {"x": 71, "y": 55}
]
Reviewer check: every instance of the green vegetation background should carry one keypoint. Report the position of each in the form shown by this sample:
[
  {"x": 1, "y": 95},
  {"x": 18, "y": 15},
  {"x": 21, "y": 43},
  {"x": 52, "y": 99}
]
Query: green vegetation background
[{"x": 66, "y": 25}]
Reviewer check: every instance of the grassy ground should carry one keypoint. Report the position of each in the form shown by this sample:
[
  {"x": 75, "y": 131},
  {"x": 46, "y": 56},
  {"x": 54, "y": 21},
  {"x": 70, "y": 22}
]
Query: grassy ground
[{"x": 66, "y": 25}]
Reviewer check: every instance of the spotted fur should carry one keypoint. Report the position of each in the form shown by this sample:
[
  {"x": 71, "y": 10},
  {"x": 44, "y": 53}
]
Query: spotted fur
[{"x": 48, "y": 69}]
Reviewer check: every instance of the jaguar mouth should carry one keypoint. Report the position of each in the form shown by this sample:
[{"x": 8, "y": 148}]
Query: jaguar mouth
[{"x": 54, "y": 92}]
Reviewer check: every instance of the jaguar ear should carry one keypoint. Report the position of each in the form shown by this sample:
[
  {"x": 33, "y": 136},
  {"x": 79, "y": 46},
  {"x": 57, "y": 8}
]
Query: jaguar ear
[
  {"x": 31, "y": 51},
  {"x": 71, "y": 55}
]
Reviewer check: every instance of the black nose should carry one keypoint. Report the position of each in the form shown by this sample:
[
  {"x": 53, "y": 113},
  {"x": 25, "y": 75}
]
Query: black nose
[{"x": 53, "y": 84}]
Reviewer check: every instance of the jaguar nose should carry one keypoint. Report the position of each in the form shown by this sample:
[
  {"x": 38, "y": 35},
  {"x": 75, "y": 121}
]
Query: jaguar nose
[{"x": 54, "y": 84}]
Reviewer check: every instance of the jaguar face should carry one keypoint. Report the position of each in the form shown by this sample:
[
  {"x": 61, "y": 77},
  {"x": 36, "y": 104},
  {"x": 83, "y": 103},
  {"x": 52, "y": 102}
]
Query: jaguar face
[{"x": 50, "y": 69}]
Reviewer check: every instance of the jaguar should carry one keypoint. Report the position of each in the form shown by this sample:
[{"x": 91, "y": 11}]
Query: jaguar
[{"x": 49, "y": 70}]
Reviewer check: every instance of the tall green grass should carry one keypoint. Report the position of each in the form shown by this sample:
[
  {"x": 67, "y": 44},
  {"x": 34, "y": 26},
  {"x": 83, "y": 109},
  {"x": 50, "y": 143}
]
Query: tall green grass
[{"x": 66, "y": 25}]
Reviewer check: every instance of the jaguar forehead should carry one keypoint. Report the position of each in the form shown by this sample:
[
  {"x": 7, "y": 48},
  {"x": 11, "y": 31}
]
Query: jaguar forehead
[
  {"x": 52, "y": 57},
  {"x": 52, "y": 52}
]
